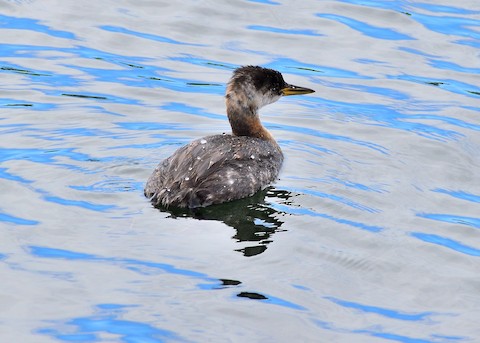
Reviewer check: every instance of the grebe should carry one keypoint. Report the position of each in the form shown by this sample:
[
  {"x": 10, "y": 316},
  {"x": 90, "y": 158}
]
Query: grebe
[{"x": 222, "y": 168}]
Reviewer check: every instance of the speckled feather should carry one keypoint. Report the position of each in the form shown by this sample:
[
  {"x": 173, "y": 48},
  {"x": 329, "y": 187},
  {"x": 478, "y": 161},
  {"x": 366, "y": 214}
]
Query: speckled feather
[{"x": 214, "y": 170}]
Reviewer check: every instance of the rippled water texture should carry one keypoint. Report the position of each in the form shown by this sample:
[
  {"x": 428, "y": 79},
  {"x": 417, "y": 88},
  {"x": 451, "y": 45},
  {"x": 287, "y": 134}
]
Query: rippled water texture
[{"x": 372, "y": 233}]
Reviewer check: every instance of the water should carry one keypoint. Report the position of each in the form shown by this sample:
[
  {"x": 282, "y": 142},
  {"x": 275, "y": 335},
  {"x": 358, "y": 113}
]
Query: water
[{"x": 370, "y": 235}]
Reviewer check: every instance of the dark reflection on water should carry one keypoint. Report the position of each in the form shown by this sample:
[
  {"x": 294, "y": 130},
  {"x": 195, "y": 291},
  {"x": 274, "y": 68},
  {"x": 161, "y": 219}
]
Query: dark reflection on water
[
  {"x": 251, "y": 295},
  {"x": 253, "y": 218}
]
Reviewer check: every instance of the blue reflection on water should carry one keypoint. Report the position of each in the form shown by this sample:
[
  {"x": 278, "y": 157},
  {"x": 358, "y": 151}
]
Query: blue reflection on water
[
  {"x": 144, "y": 267},
  {"x": 381, "y": 311},
  {"x": 317, "y": 133},
  {"x": 469, "y": 42},
  {"x": 442, "y": 8},
  {"x": 266, "y": 2},
  {"x": 113, "y": 184},
  {"x": 416, "y": 52},
  {"x": 89, "y": 96},
  {"x": 107, "y": 319},
  {"x": 304, "y": 32},
  {"x": 285, "y": 64},
  {"x": 4, "y": 174},
  {"x": 450, "y": 218},
  {"x": 406, "y": 339},
  {"x": 24, "y": 51},
  {"x": 385, "y": 92},
  {"x": 459, "y": 194},
  {"x": 181, "y": 107},
  {"x": 145, "y": 77},
  {"x": 78, "y": 203},
  {"x": 281, "y": 302},
  {"x": 379, "y": 331},
  {"x": 388, "y": 116},
  {"x": 450, "y": 85},
  {"x": 41, "y": 77},
  {"x": 7, "y": 218},
  {"x": 456, "y": 26},
  {"x": 153, "y": 37},
  {"x": 396, "y": 5},
  {"x": 453, "y": 66},
  {"x": 147, "y": 268},
  {"x": 201, "y": 61},
  {"x": 448, "y": 25},
  {"x": 149, "y": 126},
  {"x": 18, "y": 104},
  {"x": 47, "y": 156},
  {"x": 32, "y": 25},
  {"x": 447, "y": 120},
  {"x": 309, "y": 212},
  {"x": 447, "y": 242},
  {"x": 367, "y": 29},
  {"x": 84, "y": 132},
  {"x": 337, "y": 198}
]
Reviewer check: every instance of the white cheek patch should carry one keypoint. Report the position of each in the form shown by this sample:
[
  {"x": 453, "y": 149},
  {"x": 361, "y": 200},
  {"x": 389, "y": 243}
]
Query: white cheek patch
[{"x": 260, "y": 99}]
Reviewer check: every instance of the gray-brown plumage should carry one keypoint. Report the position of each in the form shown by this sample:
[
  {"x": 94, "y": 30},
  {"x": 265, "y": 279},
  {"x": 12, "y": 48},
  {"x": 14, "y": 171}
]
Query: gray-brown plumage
[{"x": 222, "y": 168}]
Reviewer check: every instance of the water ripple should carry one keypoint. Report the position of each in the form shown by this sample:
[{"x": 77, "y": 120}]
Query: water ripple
[
  {"x": 334, "y": 197},
  {"x": 382, "y": 311},
  {"x": 7, "y": 218},
  {"x": 305, "y": 32},
  {"x": 453, "y": 219},
  {"x": 108, "y": 319},
  {"x": 18, "y": 23},
  {"x": 459, "y": 194},
  {"x": 367, "y": 29},
  {"x": 153, "y": 37},
  {"x": 308, "y": 212},
  {"x": 447, "y": 243},
  {"x": 94, "y": 96}
]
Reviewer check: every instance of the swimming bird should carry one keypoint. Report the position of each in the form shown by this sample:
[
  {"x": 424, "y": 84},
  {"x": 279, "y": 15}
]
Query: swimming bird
[{"x": 226, "y": 167}]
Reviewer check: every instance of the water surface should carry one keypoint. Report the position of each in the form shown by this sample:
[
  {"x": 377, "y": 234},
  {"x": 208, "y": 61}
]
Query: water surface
[{"x": 371, "y": 233}]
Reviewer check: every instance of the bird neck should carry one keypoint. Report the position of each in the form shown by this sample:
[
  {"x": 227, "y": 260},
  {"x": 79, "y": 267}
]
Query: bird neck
[
  {"x": 245, "y": 121},
  {"x": 242, "y": 110}
]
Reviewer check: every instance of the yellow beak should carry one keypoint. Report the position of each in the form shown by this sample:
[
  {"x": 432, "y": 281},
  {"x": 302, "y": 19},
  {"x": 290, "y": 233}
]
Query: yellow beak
[{"x": 296, "y": 90}]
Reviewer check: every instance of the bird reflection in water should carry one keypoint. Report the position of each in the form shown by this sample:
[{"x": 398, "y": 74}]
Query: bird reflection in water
[{"x": 253, "y": 218}]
